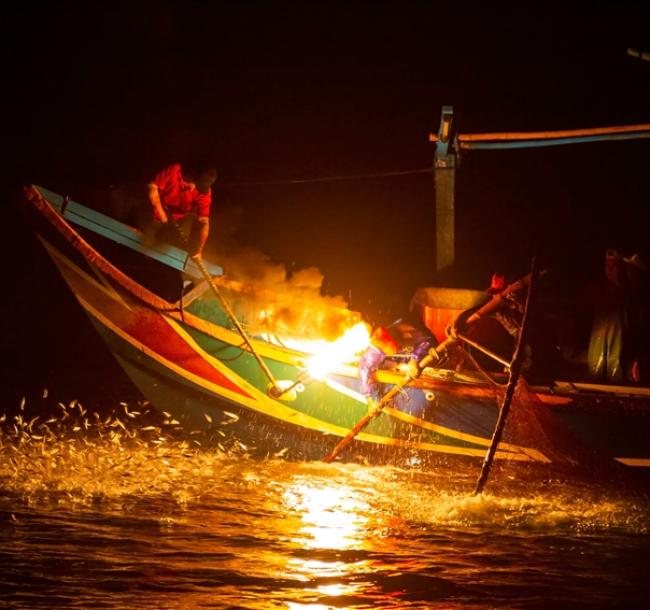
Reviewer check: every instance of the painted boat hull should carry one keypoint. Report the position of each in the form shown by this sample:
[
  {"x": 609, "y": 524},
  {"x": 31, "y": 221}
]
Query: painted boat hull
[{"x": 191, "y": 364}]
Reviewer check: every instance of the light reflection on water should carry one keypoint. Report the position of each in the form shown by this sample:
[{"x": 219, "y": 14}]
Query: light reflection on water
[{"x": 130, "y": 515}]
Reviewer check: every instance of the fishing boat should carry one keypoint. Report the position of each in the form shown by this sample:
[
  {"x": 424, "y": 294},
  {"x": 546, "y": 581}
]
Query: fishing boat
[{"x": 213, "y": 362}]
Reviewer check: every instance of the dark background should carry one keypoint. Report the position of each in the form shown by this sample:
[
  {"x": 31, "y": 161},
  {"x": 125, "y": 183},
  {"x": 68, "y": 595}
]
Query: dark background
[{"x": 99, "y": 95}]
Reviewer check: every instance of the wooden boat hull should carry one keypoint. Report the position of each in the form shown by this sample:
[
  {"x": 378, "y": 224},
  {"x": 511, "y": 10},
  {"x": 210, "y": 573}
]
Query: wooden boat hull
[{"x": 191, "y": 364}]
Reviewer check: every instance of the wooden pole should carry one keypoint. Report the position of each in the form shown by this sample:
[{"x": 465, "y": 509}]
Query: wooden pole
[
  {"x": 515, "y": 370},
  {"x": 277, "y": 391},
  {"x": 434, "y": 354},
  {"x": 366, "y": 419}
]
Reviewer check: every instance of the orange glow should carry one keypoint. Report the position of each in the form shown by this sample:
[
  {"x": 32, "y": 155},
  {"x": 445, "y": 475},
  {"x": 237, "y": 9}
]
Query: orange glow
[
  {"x": 334, "y": 353},
  {"x": 331, "y": 517}
]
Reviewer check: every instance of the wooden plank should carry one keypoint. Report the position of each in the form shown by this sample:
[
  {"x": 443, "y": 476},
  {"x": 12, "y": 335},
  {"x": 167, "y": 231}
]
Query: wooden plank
[
  {"x": 127, "y": 236},
  {"x": 576, "y": 387}
]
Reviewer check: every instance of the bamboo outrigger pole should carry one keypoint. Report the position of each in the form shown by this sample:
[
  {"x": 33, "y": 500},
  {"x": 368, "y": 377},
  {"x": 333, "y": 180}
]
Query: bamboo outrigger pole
[
  {"x": 434, "y": 354},
  {"x": 226, "y": 307},
  {"x": 513, "y": 377}
]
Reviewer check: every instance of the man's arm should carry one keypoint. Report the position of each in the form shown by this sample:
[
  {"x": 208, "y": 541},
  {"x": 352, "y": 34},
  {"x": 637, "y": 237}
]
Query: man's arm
[
  {"x": 204, "y": 231},
  {"x": 154, "y": 198}
]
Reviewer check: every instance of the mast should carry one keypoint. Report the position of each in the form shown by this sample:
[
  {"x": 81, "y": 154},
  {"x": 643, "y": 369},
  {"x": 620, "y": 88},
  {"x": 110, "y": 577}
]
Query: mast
[
  {"x": 444, "y": 178},
  {"x": 447, "y": 159}
]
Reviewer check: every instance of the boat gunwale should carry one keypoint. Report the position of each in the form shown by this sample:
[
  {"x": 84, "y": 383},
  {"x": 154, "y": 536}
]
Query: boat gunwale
[{"x": 146, "y": 296}]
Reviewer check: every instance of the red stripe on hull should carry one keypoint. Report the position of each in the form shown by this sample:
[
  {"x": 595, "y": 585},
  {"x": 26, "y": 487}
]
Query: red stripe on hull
[{"x": 148, "y": 327}]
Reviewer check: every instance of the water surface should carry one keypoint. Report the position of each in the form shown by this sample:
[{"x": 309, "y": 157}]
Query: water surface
[{"x": 124, "y": 511}]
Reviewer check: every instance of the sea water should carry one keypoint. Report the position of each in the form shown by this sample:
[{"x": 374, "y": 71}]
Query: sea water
[{"x": 126, "y": 510}]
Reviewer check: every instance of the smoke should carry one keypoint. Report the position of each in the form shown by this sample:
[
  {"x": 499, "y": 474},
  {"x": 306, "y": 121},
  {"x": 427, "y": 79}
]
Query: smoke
[
  {"x": 267, "y": 296},
  {"x": 263, "y": 294}
]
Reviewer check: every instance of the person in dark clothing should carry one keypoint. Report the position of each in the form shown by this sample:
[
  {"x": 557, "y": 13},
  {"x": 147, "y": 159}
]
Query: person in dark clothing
[
  {"x": 511, "y": 317},
  {"x": 609, "y": 322},
  {"x": 499, "y": 333},
  {"x": 636, "y": 352}
]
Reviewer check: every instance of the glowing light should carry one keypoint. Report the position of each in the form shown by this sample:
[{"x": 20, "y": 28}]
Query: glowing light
[
  {"x": 303, "y": 606},
  {"x": 337, "y": 352},
  {"x": 334, "y": 517},
  {"x": 339, "y": 589}
]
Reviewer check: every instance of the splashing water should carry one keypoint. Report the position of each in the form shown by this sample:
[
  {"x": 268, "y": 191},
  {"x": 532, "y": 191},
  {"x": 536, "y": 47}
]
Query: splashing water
[
  {"x": 85, "y": 456},
  {"x": 131, "y": 498}
]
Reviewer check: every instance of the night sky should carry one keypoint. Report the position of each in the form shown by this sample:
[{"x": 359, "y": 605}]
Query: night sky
[{"x": 99, "y": 95}]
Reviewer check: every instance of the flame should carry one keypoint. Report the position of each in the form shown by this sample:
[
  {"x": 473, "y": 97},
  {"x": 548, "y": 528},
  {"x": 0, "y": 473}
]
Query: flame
[{"x": 336, "y": 352}]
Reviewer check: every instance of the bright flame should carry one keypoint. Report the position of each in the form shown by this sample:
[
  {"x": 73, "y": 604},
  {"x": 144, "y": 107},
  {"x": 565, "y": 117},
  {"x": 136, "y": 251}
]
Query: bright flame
[{"x": 337, "y": 352}]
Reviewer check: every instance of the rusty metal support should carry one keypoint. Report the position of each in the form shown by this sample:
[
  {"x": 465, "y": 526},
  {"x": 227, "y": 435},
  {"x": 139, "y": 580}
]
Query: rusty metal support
[{"x": 444, "y": 178}]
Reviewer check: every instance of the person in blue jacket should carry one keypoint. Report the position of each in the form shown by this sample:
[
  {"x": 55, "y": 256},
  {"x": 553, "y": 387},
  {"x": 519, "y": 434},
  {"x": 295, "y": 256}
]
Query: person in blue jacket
[{"x": 388, "y": 347}]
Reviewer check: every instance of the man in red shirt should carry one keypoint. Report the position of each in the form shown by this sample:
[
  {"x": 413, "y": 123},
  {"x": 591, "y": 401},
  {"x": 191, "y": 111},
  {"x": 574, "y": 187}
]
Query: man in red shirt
[{"x": 180, "y": 191}]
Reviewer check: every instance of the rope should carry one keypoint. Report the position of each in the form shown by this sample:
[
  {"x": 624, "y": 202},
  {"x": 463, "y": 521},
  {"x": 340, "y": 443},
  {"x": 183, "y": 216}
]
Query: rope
[
  {"x": 407, "y": 172},
  {"x": 479, "y": 368},
  {"x": 483, "y": 141}
]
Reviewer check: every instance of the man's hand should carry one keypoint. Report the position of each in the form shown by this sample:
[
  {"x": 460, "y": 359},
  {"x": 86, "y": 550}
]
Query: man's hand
[{"x": 373, "y": 406}]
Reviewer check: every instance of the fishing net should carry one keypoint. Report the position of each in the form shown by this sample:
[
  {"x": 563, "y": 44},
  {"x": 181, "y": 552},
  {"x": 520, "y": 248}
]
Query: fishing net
[{"x": 532, "y": 423}]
